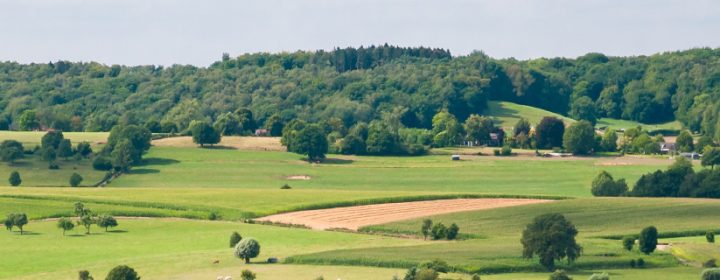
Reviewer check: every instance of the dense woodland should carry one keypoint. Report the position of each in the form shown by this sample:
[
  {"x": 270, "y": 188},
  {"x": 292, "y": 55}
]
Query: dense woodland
[{"x": 352, "y": 85}]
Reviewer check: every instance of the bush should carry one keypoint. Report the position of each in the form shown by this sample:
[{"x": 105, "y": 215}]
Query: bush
[
  {"x": 426, "y": 274},
  {"x": 496, "y": 152},
  {"x": 633, "y": 264},
  {"x": 235, "y": 237},
  {"x": 640, "y": 263},
  {"x": 710, "y": 237},
  {"x": 53, "y": 166},
  {"x": 436, "y": 265},
  {"x": 475, "y": 277},
  {"x": 439, "y": 231},
  {"x": 84, "y": 275},
  {"x": 506, "y": 151},
  {"x": 452, "y": 231},
  {"x": 628, "y": 243},
  {"x": 75, "y": 180},
  {"x": 247, "y": 275},
  {"x": 14, "y": 179},
  {"x": 559, "y": 275},
  {"x": 711, "y": 274},
  {"x": 102, "y": 163},
  {"x": 122, "y": 272},
  {"x": 599, "y": 276},
  {"x": 286, "y": 187},
  {"x": 710, "y": 263}
]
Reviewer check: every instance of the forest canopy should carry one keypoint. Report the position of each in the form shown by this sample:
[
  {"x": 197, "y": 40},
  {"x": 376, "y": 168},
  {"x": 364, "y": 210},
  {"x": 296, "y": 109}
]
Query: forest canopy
[{"x": 361, "y": 85}]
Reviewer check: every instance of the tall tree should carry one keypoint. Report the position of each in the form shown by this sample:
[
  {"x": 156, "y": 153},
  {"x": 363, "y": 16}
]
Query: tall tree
[
  {"x": 579, "y": 138},
  {"x": 549, "y": 133},
  {"x": 311, "y": 141},
  {"x": 551, "y": 237},
  {"x": 203, "y": 134}
]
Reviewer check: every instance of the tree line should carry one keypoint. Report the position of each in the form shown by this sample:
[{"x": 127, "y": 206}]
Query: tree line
[{"x": 359, "y": 85}]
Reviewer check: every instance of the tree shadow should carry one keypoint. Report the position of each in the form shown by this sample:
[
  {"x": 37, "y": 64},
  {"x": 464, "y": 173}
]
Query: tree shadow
[
  {"x": 140, "y": 171},
  {"x": 218, "y": 147},
  {"x": 26, "y": 232},
  {"x": 117, "y": 231},
  {"x": 337, "y": 161},
  {"x": 158, "y": 161}
]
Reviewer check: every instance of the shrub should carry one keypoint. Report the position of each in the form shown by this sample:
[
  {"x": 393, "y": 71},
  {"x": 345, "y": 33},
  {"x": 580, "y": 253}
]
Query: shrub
[
  {"x": 632, "y": 263},
  {"x": 75, "y": 180},
  {"x": 84, "y": 275},
  {"x": 599, "y": 276},
  {"x": 439, "y": 231},
  {"x": 711, "y": 274},
  {"x": 247, "y": 249},
  {"x": 14, "y": 179},
  {"x": 53, "y": 166},
  {"x": 426, "y": 274},
  {"x": 496, "y": 152},
  {"x": 506, "y": 151},
  {"x": 475, "y": 277},
  {"x": 452, "y": 231},
  {"x": 235, "y": 237},
  {"x": 710, "y": 263},
  {"x": 628, "y": 243},
  {"x": 559, "y": 275},
  {"x": 286, "y": 187},
  {"x": 102, "y": 163},
  {"x": 710, "y": 237},
  {"x": 247, "y": 275},
  {"x": 436, "y": 265},
  {"x": 122, "y": 272},
  {"x": 640, "y": 263}
]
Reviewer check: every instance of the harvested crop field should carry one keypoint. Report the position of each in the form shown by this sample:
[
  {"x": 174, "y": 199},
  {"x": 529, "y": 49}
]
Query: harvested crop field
[
  {"x": 233, "y": 142},
  {"x": 355, "y": 217}
]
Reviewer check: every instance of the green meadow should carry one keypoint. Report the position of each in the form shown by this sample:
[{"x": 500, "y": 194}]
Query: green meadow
[{"x": 176, "y": 190}]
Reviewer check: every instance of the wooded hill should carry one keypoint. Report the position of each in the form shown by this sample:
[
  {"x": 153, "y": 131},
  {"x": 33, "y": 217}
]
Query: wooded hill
[{"x": 361, "y": 85}]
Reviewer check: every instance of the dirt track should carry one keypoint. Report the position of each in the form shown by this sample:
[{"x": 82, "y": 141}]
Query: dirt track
[{"x": 356, "y": 217}]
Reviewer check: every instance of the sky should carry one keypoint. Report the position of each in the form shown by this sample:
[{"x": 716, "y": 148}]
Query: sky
[{"x": 166, "y": 32}]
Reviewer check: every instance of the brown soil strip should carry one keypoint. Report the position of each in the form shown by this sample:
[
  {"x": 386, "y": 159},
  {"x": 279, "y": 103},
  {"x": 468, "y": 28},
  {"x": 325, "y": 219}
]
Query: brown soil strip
[{"x": 355, "y": 217}]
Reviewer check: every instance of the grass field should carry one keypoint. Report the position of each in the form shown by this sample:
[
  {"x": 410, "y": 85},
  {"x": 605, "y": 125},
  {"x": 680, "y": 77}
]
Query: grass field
[
  {"x": 182, "y": 181},
  {"x": 626, "y": 124},
  {"x": 32, "y": 138},
  {"x": 212, "y": 168},
  {"x": 506, "y": 114},
  {"x": 161, "y": 248}
]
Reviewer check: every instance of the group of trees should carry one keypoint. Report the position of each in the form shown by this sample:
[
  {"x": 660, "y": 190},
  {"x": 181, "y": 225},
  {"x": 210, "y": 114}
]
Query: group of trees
[
  {"x": 124, "y": 148},
  {"x": 439, "y": 231},
  {"x": 358, "y": 85},
  {"x": 86, "y": 218},
  {"x": 120, "y": 272},
  {"x": 18, "y": 220},
  {"x": 679, "y": 180}
]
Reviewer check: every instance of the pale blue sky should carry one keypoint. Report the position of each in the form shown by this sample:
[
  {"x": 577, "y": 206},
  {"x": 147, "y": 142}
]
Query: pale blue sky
[{"x": 197, "y": 32}]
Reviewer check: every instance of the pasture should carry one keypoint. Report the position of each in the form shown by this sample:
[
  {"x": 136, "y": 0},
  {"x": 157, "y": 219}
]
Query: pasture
[{"x": 182, "y": 186}]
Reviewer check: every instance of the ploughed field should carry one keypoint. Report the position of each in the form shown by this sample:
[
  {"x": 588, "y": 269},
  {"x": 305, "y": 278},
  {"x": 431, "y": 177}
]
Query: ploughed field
[
  {"x": 355, "y": 217},
  {"x": 177, "y": 181}
]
